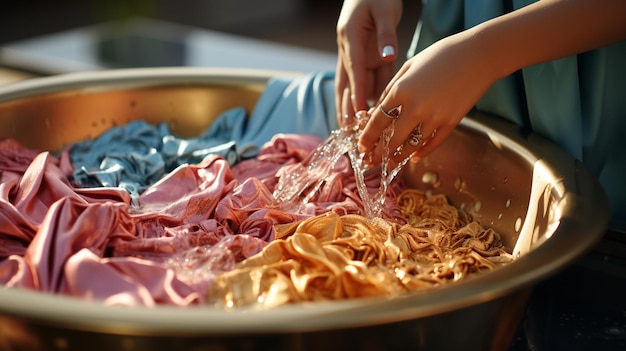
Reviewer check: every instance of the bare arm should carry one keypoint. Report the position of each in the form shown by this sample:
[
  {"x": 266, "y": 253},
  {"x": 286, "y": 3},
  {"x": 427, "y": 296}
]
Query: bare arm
[
  {"x": 437, "y": 87},
  {"x": 551, "y": 29}
]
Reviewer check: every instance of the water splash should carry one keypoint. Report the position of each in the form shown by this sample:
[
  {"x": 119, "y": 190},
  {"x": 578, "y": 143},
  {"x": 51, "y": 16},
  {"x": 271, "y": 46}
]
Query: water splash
[{"x": 298, "y": 186}]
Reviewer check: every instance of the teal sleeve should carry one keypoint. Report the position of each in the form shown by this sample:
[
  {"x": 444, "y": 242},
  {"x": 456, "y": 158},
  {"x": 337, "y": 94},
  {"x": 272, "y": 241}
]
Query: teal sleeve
[{"x": 578, "y": 102}]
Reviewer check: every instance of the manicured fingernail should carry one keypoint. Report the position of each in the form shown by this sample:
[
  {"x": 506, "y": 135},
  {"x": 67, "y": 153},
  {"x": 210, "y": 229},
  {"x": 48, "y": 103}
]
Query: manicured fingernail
[{"x": 388, "y": 50}]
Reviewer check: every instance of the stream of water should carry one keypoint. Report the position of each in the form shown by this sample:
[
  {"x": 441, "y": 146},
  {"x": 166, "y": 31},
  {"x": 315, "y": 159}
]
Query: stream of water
[{"x": 296, "y": 189}]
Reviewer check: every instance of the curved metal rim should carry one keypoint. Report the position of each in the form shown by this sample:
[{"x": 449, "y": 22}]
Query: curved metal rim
[
  {"x": 137, "y": 77},
  {"x": 561, "y": 250}
]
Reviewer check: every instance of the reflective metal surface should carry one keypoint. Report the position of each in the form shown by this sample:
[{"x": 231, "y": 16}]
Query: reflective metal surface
[{"x": 546, "y": 205}]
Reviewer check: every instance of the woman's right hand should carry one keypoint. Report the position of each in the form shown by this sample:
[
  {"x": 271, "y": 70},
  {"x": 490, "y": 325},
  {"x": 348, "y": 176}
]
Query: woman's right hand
[
  {"x": 367, "y": 48},
  {"x": 430, "y": 93}
]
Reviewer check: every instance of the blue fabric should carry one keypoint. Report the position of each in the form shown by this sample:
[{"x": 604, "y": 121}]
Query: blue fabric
[
  {"x": 304, "y": 105},
  {"x": 136, "y": 155},
  {"x": 578, "y": 102}
]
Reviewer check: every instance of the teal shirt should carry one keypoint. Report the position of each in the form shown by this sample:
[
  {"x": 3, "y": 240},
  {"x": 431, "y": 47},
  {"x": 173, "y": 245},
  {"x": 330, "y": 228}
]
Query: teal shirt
[{"x": 578, "y": 102}]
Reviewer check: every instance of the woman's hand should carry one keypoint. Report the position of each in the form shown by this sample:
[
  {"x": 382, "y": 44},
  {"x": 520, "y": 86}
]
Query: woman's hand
[
  {"x": 367, "y": 47},
  {"x": 441, "y": 84},
  {"x": 435, "y": 89}
]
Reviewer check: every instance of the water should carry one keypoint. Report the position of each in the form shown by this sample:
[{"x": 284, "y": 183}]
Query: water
[{"x": 296, "y": 188}]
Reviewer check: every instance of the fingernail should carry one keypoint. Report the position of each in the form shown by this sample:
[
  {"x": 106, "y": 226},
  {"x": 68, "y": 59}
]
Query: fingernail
[
  {"x": 388, "y": 50},
  {"x": 361, "y": 148}
]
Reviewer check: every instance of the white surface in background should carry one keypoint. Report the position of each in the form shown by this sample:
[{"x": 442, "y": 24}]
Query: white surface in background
[{"x": 77, "y": 50}]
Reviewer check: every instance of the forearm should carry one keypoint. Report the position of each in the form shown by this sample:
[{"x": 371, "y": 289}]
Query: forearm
[{"x": 548, "y": 30}]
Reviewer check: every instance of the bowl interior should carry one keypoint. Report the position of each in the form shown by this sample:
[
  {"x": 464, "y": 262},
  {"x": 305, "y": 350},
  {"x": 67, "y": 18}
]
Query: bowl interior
[{"x": 536, "y": 196}]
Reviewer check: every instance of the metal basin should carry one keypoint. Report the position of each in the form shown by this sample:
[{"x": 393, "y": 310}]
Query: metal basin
[{"x": 548, "y": 208}]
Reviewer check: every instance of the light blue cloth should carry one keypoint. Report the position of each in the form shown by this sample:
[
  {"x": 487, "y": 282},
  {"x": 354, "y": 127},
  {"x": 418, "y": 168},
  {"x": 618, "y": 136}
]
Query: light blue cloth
[
  {"x": 136, "y": 155},
  {"x": 302, "y": 105},
  {"x": 579, "y": 102}
]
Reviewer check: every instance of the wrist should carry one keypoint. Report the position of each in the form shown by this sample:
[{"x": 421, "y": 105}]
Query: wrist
[{"x": 497, "y": 54}]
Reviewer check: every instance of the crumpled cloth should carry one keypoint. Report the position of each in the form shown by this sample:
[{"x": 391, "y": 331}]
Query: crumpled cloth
[
  {"x": 195, "y": 223},
  {"x": 201, "y": 221},
  {"x": 333, "y": 257},
  {"x": 136, "y": 155}
]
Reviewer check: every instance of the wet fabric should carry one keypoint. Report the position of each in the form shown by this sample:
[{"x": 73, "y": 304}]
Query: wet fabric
[
  {"x": 136, "y": 155},
  {"x": 577, "y": 101},
  {"x": 332, "y": 257},
  {"x": 199, "y": 227},
  {"x": 195, "y": 223}
]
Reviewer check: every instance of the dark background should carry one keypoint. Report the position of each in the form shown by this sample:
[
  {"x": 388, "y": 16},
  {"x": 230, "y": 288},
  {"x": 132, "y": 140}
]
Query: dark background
[{"x": 304, "y": 23}]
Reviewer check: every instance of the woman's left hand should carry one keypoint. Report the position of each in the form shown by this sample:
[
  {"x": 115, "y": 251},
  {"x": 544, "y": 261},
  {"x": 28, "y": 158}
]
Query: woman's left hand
[{"x": 367, "y": 50}]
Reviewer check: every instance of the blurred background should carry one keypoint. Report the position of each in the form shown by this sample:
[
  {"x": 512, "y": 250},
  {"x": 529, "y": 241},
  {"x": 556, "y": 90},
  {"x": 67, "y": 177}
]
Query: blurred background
[{"x": 49, "y": 37}]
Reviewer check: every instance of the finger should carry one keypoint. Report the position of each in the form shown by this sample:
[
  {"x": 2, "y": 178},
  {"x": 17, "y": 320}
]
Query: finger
[
  {"x": 340, "y": 90},
  {"x": 434, "y": 140},
  {"x": 346, "y": 106},
  {"x": 355, "y": 67},
  {"x": 377, "y": 123},
  {"x": 390, "y": 83},
  {"x": 387, "y": 42},
  {"x": 383, "y": 76},
  {"x": 420, "y": 136},
  {"x": 343, "y": 99},
  {"x": 352, "y": 53},
  {"x": 399, "y": 143},
  {"x": 386, "y": 21},
  {"x": 430, "y": 139}
]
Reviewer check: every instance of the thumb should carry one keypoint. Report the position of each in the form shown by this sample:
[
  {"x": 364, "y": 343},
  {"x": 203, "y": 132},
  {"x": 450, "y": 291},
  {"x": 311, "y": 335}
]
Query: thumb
[{"x": 387, "y": 41}]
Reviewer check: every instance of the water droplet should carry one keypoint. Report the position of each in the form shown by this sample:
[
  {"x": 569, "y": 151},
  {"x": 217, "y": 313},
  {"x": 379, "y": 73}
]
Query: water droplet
[
  {"x": 431, "y": 178},
  {"x": 477, "y": 206},
  {"x": 613, "y": 331},
  {"x": 459, "y": 185},
  {"x": 518, "y": 224},
  {"x": 303, "y": 181}
]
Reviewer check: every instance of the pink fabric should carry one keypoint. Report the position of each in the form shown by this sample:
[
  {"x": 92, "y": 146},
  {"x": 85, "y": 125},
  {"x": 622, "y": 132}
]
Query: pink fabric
[
  {"x": 125, "y": 281},
  {"x": 197, "y": 221},
  {"x": 30, "y": 185}
]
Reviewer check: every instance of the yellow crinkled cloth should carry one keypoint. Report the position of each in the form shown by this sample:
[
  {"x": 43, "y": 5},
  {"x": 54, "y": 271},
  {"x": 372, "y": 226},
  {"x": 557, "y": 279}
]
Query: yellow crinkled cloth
[{"x": 329, "y": 257}]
